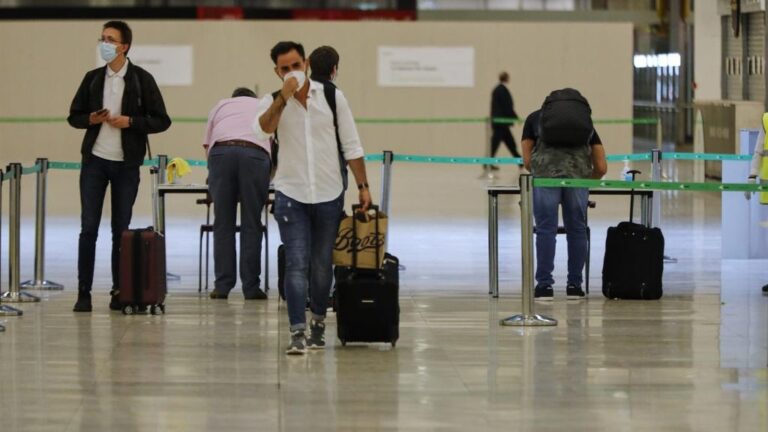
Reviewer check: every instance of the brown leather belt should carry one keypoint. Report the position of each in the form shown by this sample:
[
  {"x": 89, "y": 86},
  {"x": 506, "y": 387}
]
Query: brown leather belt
[{"x": 240, "y": 143}]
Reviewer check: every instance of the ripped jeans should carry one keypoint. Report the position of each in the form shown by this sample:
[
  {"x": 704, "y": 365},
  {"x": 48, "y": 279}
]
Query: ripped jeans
[{"x": 308, "y": 232}]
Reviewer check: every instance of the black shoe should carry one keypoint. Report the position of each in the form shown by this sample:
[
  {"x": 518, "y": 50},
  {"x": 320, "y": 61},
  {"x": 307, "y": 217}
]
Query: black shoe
[
  {"x": 494, "y": 168},
  {"x": 218, "y": 295},
  {"x": 114, "y": 302},
  {"x": 765, "y": 289},
  {"x": 83, "y": 303},
  {"x": 574, "y": 292},
  {"x": 544, "y": 293},
  {"x": 258, "y": 294}
]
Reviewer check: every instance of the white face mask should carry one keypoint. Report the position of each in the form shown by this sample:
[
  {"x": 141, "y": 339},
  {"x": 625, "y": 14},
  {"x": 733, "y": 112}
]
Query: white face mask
[
  {"x": 300, "y": 76},
  {"x": 108, "y": 51}
]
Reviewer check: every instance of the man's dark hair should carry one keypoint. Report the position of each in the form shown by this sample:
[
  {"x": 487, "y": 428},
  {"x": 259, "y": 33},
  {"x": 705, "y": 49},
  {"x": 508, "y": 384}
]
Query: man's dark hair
[
  {"x": 243, "y": 91},
  {"x": 126, "y": 35},
  {"x": 322, "y": 61},
  {"x": 285, "y": 47},
  {"x": 503, "y": 77}
]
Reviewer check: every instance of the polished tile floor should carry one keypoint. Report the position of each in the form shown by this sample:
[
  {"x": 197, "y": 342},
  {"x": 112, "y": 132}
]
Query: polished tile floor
[{"x": 695, "y": 361}]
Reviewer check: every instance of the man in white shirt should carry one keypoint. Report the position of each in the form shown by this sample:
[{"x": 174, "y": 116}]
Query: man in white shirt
[
  {"x": 309, "y": 184},
  {"x": 117, "y": 105}
]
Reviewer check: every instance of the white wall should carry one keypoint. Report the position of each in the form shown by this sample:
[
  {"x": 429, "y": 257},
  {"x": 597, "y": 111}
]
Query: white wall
[{"x": 43, "y": 63}]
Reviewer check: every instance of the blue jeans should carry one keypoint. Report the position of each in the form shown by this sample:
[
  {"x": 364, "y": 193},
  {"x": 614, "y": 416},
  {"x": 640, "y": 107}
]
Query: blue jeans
[
  {"x": 238, "y": 174},
  {"x": 95, "y": 175},
  {"x": 545, "y": 208},
  {"x": 308, "y": 232}
]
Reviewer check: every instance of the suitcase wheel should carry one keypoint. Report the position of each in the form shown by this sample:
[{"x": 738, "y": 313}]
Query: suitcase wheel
[
  {"x": 157, "y": 309},
  {"x": 394, "y": 343},
  {"x": 128, "y": 310},
  {"x": 343, "y": 342}
]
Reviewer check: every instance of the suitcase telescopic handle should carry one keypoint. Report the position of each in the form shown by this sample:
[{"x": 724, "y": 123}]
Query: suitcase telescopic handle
[
  {"x": 355, "y": 240},
  {"x": 633, "y": 173}
]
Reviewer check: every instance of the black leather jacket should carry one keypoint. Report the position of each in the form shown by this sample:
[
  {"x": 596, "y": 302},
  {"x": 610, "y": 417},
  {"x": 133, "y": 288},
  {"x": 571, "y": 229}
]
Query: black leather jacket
[{"x": 142, "y": 102}]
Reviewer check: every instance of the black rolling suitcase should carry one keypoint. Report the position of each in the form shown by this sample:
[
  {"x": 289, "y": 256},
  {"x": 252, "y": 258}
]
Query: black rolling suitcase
[
  {"x": 367, "y": 300},
  {"x": 634, "y": 260}
]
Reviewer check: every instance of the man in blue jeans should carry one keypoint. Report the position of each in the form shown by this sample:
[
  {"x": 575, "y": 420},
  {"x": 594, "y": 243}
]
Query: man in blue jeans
[
  {"x": 570, "y": 160},
  {"x": 238, "y": 171},
  {"x": 117, "y": 105},
  {"x": 309, "y": 184}
]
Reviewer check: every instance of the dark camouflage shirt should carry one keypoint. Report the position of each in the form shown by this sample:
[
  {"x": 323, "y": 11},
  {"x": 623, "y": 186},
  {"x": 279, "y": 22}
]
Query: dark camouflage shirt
[{"x": 549, "y": 161}]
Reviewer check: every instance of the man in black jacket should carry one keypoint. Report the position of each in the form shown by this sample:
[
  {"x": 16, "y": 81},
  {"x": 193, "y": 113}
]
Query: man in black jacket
[
  {"x": 502, "y": 106},
  {"x": 117, "y": 105}
]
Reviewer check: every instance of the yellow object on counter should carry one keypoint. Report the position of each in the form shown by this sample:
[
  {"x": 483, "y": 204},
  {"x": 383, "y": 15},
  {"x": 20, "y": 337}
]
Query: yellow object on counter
[{"x": 177, "y": 167}]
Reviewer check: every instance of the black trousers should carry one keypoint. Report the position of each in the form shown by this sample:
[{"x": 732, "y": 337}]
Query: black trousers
[
  {"x": 502, "y": 133},
  {"x": 95, "y": 175}
]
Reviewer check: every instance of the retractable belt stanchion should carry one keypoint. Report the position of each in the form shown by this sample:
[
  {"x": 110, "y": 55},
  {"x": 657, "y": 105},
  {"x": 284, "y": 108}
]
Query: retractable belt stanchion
[
  {"x": 162, "y": 164},
  {"x": 656, "y": 171},
  {"x": 5, "y": 310},
  {"x": 493, "y": 245},
  {"x": 39, "y": 282},
  {"x": 528, "y": 317},
  {"x": 2, "y": 328},
  {"x": 14, "y": 294},
  {"x": 659, "y": 132},
  {"x": 487, "y": 168}
]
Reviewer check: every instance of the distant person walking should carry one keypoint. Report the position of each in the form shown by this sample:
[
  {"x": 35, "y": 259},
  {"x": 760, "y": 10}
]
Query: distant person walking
[{"x": 502, "y": 106}]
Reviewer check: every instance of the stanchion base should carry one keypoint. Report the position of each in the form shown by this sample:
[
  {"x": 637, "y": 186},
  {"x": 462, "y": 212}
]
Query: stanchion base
[
  {"x": 670, "y": 260},
  {"x": 18, "y": 297},
  {"x": 10, "y": 311},
  {"x": 528, "y": 320},
  {"x": 43, "y": 285}
]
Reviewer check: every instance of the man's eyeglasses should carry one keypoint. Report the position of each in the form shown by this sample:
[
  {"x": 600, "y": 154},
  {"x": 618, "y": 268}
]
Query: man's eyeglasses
[{"x": 108, "y": 39}]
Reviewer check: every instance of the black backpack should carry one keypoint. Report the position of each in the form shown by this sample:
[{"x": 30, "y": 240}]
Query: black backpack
[
  {"x": 566, "y": 119},
  {"x": 329, "y": 90}
]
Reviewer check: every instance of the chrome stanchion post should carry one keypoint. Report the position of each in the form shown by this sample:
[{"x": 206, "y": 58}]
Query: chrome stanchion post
[
  {"x": 656, "y": 177},
  {"x": 659, "y": 133},
  {"x": 5, "y": 310},
  {"x": 487, "y": 170},
  {"x": 14, "y": 295},
  {"x": 655, "y": 212},
  {"x": 162, "y": 164},
  {"x": 39, "y": 282},
  {"x": 528, "y": 317},
  {"x": 493, "y": 244}
]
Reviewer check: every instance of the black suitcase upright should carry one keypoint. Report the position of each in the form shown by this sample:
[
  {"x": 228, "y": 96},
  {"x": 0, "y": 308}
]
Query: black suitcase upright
[
  {"x": 367, "y": 301},
  {"x": 634, "y": 260}
]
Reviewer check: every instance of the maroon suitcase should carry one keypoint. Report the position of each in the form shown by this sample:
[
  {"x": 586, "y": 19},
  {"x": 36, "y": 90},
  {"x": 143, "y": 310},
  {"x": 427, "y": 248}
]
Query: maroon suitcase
[{"x": 142, "y": 271}]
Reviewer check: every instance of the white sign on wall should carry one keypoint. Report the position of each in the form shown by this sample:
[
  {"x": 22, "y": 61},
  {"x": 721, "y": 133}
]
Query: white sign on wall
[
  {"x": 171, "y": 65},
  {"x": 426, "y": 66}
]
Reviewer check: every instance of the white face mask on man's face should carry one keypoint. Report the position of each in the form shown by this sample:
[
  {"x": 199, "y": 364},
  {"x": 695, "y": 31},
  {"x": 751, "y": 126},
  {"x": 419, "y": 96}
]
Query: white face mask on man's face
[{"x": 300, "y": 76}]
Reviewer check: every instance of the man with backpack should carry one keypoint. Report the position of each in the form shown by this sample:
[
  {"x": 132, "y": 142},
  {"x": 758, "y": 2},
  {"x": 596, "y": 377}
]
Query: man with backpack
[
  {"x": 317, "y": 139},
  {"x": 118, "y": 105},
  {"x": 559, "y": 141}
]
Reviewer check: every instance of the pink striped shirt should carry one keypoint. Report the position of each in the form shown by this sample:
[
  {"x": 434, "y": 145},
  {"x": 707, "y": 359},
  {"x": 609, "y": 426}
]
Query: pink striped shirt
[{"x": 232, "y": 119}]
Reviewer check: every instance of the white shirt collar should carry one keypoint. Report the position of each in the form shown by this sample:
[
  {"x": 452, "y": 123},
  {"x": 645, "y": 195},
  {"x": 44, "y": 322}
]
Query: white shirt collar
[
  {"x": 121, "y": 73},
  {"x": 315, "y": 86}
]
